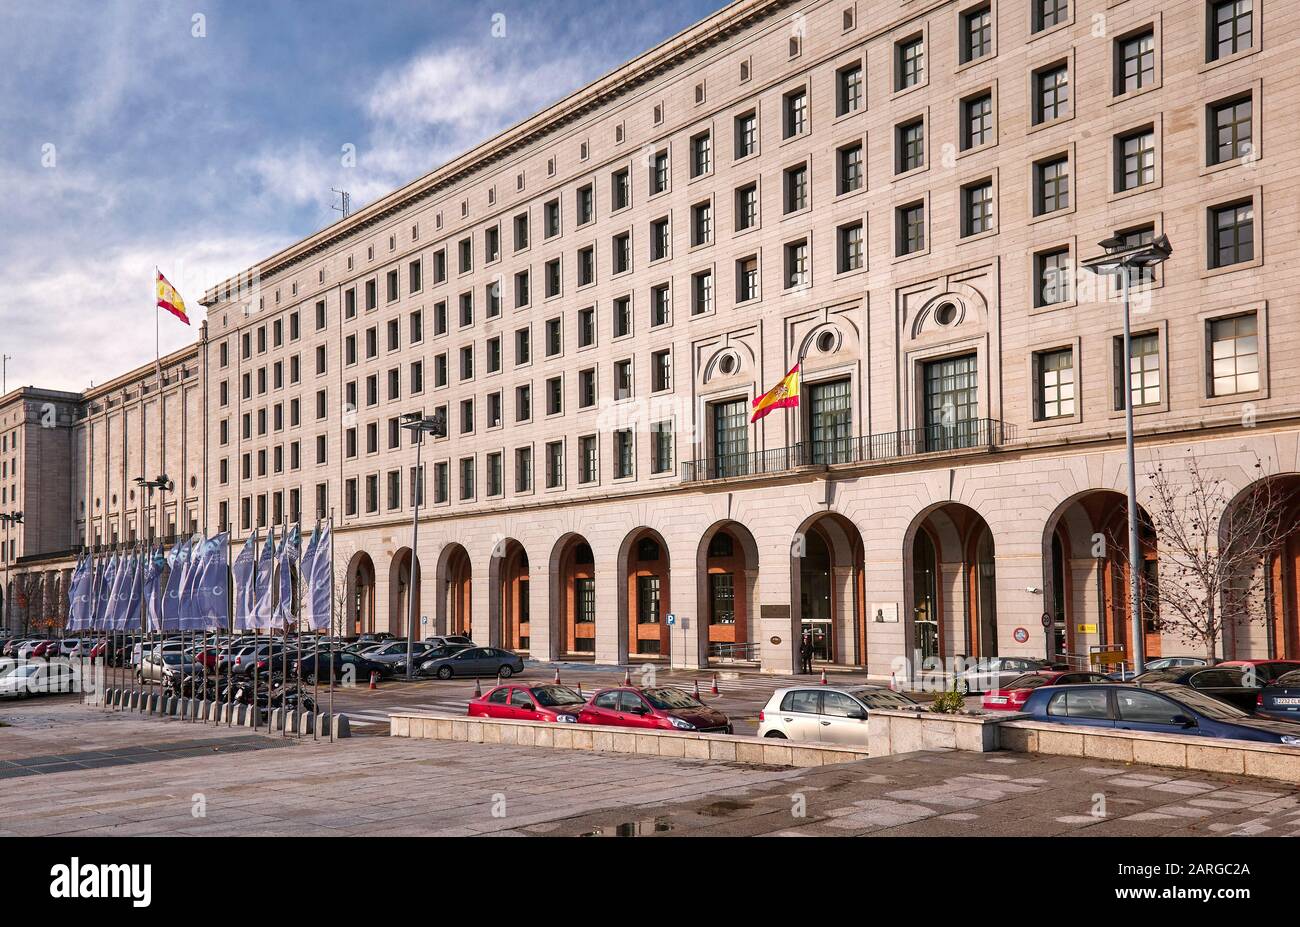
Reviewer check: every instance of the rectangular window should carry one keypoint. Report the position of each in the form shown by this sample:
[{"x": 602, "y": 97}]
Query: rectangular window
[
  {"x": 1048, "y": 13},
  {"x": 587, "y": 461},
  {"x": 850, "y": 168},
  {"x": 701, "y": 154},
  {"x": 1051, "y": 93},
  {"x": 622, "y": 322},
  {"x": 1231, "y": 130},
  {"x": 746, "y": 134},
  {"x": 797, "y": 273},
  {"x": 746, "y": 207},
  {"x": 951, "y": 403},
  {"x": 848, "y": 90},
  {"x": 977, "y": 121},
  {"x": 494, "y": 483},
  {"x": 1052, "y": 272},
  {"x": 585, "y": 203},
  {"x": 1234, "y": 355},
  {"x": 910, "y": 139},
  {"x": 661, "y": 447},
  {"x": 830, "y": 421},
  {"x": 620, "y": 190},
  {"x": 909, "y": 68},
  {"x": 466, "y": 478},
  {"x": 976, "y": 33},
  {"x": 1231, "y": 27},
  {"x": 796, "y": 113},
  {"x": 441, "y": 481},
  {"x": 523, "y": 469},
  {"x": 1143, "y": 370},
  {"x": 623, "y": 453},
  {"x": 977, "y": 207},
  {"x": 1232, "y": 234},
  {"x": 659, "y": 239},
  {"x": 586, "y": 327},
  {"x": 1135, "y": 62},
  {"x": 554, "y": 464},
  {"x": 746, "y": 279},
  {"x": 660, "y": 371},
  {"x": 1051, "y": 185},
  {"x": 796, "y": 188},
  {"x": 702, "y": 292},
  {"x": 659, "y": 305},
  {"x": 1135, "y": 156},
  {"x": 622, "y": 252},
  {"x": 622, "y": 379},
  {"x": 659, "y": 172},
  {"x": 730, "y": 438},
  {"x": 1054, "y": 371},
  {"x": 910, "y": 229},
  {"x": 701, "y": 223}
]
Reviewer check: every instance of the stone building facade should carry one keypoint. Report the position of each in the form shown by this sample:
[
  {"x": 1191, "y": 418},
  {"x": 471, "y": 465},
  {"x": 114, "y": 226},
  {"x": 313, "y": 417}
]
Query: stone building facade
[{"x": 897, "y": 196}]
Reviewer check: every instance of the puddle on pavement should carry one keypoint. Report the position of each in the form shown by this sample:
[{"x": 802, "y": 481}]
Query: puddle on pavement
[
  {"x": 722, "y": 808},
  {"x": 644, "y": 828}
]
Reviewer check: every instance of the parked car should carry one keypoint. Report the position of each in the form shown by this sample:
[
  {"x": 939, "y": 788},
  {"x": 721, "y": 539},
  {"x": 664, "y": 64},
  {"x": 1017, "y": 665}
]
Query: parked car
[
  {"x": 829, "y": 714},
  {"x": 1262, "y": 672},
  {"x": 528, "y": 703},
  {"x": 662, "y": 707},
  {"x": 26, "y": 679},
  {"x": 374, "y": 637},
  {"x": 430, "y": 659},
  {"x": 35, "y": 647},
  {"x": 344, "y": 666},
  {"x": 439, "y": 640},
  {"x": 1159, "y": 663},
  {"x": 1012, "y": 696},
  {"x": 475, "y": 661},
  {"x": 1280, "y": 699},
  {"x": 168, "y": 667},
  {"x": 985, "y": 673},
  {"x": 1154, "y": 707},
  {"x": 261, "y": 656},
  {"x": 394, "y": 652},
  {"x": 1229, "y": 685}
]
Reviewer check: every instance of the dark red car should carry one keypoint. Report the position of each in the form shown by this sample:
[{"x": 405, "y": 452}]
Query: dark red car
[
  {"x": 1013, "y": 695},
  {"x": 45, "y": 650},
  {"x": 528, "y": 703},
  {"x": 1265, "y": 671},
  {"x": 661, "y": 707}
]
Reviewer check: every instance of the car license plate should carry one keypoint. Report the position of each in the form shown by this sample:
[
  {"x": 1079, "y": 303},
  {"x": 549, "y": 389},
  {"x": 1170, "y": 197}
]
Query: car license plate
[
  {"x": 1287, "y": 701},
  {"x": 997, "y": 700}
]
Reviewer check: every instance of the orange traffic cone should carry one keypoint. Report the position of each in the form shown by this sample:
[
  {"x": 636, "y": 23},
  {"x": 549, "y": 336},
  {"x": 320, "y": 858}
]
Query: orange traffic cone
[
  {"x": 374, "y": 679},
  {"x": 580, "y": 695},
  {"x": 823, "y": 677},
  {"x": 697, "y": 688},
  {"x": 627, "y": 676},
  {"x": 557, "y": 675},
  {"x": 478, "y": 690},
  {"x": 893, "y": 683},
  {"x": 714, "y": 688}
]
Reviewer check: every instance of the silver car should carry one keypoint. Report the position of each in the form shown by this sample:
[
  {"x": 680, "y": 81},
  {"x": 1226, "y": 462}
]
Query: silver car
[{"x": 827, "y": 714}]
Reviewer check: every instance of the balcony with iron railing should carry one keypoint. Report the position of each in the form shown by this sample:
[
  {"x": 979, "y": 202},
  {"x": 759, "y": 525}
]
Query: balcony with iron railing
[{"x": 971, "y": 435}]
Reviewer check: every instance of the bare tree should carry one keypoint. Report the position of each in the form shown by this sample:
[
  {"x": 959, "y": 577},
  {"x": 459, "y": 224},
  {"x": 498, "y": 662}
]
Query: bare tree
[{"x": 1214, "y": 547}]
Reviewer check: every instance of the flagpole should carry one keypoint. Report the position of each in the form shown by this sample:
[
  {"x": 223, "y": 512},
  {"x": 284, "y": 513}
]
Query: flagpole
[
  {"x": 315, "y": 676},
  {"x": 331, "y": 635}
]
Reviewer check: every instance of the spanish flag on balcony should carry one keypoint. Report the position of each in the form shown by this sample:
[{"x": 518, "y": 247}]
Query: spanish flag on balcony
[
  {"x": 170, "y": 299},
  {"x": 785, "y": 395}
]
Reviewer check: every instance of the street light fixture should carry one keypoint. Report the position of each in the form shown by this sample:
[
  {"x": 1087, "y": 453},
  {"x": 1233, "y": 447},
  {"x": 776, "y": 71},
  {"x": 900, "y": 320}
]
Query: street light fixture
[
  {"x": 419, "y": 425},
  {"x": 14, "y": 518},
  {"x": 1120, "y": 261}
]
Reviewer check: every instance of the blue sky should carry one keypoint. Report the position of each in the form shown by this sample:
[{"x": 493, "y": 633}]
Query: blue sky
[{"x": 126, "y": 140}]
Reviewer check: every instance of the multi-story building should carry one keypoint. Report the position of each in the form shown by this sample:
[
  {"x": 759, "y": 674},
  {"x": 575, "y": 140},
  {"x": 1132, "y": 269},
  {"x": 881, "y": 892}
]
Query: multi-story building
[{"x": 896, "y": 196}]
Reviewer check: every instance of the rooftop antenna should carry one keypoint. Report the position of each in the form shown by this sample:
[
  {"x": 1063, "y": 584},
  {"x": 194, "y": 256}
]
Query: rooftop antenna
[
  {"x": 346, "y": 202},
  {"x": 4, "y": 374}
]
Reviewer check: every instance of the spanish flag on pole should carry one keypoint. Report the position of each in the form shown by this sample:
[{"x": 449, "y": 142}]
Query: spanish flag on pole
[
  {"x": 785, "y": 395},
  {"x": 170, "y": 299}
]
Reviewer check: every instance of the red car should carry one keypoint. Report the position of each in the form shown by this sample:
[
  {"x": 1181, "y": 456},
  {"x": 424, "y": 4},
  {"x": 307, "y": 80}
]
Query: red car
[
  {"x": 45, "y": 649},
  {"x": 206, "y": 656},
  {"x": 662, "y": 707},
  {"x": 1265, "y": 670},
  {"x": 528, "y": 703},
  {"x": 1013, "y": 695}
]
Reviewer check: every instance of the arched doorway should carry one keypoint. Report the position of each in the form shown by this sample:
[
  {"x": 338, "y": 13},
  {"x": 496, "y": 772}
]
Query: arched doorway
[
  {"x": 573, "y": 609},
  {"x": 454, "y": 591},
  {"x": 951, "y": 584},
  {"x": 1260, "y": 542},
  {"x": 727, "y": 568},
  {"x": 509, "y": 605},
  {"x": 361, "y": 593},
  {"x": 1086, "y": 576},
  {"x": 399, "y": 593},
  {"x": 828, "y": 602},
  {"x": 644, "y": 597}
]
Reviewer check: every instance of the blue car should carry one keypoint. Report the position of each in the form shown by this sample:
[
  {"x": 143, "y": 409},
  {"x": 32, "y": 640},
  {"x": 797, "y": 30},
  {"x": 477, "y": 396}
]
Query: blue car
[
  {"x": 1281, "y": 697},
  {"x": 1158, "y": 707}
]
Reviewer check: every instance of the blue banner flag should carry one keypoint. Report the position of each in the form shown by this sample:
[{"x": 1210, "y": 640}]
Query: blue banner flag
[
  {"x": 153, "y": 574},
  {"x": 108, "y": 589},
  {"x": 243, "y": 583},
  {"x": 210, "y": 582},
  {"x": 126, "y": 615},
  {"x": 290, "y": 548},
  {"x": 77, "y": 596},
  {"x": 318, "y": 573},
  {"x": 262, "y": 582}
]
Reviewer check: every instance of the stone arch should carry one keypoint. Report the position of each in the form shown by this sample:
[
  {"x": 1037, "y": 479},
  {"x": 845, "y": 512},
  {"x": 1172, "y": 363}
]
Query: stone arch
[
  {"x": 359, "y": 612},
  {"x": 508, "y": 597},
  {"x": 1261, "y": 610},
  {"x": 726, "y": 570},
  {"x": 573, "y": 598},
  {"x": 827, "y": 601},
  {"x": 453, "y": 586},
  {"x": 400, "y": 591},
  {"x": 957, "y": 614},
  {"x": 644, "y": 596}
]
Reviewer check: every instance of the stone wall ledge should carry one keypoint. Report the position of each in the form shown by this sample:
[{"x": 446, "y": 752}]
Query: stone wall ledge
[{"x": 726, "y": 748}]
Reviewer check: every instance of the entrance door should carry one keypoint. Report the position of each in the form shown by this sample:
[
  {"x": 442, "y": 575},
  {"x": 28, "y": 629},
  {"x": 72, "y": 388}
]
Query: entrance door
[
  {"x": 951, "y": 403},
  {"x": 815, "y": 595},
  {"x": 925, "y": 603}
]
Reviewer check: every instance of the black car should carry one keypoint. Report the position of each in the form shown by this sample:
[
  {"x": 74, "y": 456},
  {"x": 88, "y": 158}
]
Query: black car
[
  {"x": 349, "y": 668},
  {"x": 1281, "y": 698},
  {"x": 430, "y": 656},
  {"x": 1227, "y": 684},
  {"x": 475, "y": 661}
]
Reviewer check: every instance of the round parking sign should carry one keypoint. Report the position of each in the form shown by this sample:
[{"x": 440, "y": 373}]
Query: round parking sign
[{"x": 1021, "y": 635}]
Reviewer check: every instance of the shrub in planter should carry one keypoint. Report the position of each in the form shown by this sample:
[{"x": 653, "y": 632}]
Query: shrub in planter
[{"x": 948, "y": 703}]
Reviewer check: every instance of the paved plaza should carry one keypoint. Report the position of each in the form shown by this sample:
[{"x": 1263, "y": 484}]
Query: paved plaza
[{"x": 71, "y": 770}]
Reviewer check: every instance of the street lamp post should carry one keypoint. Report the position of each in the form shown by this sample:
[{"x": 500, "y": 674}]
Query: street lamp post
[
  {"x": 1120, "y": 260},
  {"x": 419, "y": 425},
  {"x": 15, "y": 518}
]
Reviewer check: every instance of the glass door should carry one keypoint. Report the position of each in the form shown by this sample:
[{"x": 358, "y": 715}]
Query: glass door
[
  {"x": 730, "y": 439},
  {"x": 830, "y": 420},
  {"x": 951, "y": 403}
]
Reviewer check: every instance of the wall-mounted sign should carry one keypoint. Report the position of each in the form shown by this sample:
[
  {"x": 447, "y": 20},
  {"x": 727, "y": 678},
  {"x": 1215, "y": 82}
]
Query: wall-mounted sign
[
  {"x": 1086, "y": 628},
  {"x": 775, "y": 640},
  {"x": 1021, "y": 635},
  {"x": 885, "y": 612}
]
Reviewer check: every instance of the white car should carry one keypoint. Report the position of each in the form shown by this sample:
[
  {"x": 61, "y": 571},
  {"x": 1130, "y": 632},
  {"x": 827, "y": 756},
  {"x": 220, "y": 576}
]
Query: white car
[
  {"x": 38, "y": 678},
  {"x": 826, "y": 714},
  {"x": 73, "y": 647}
]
